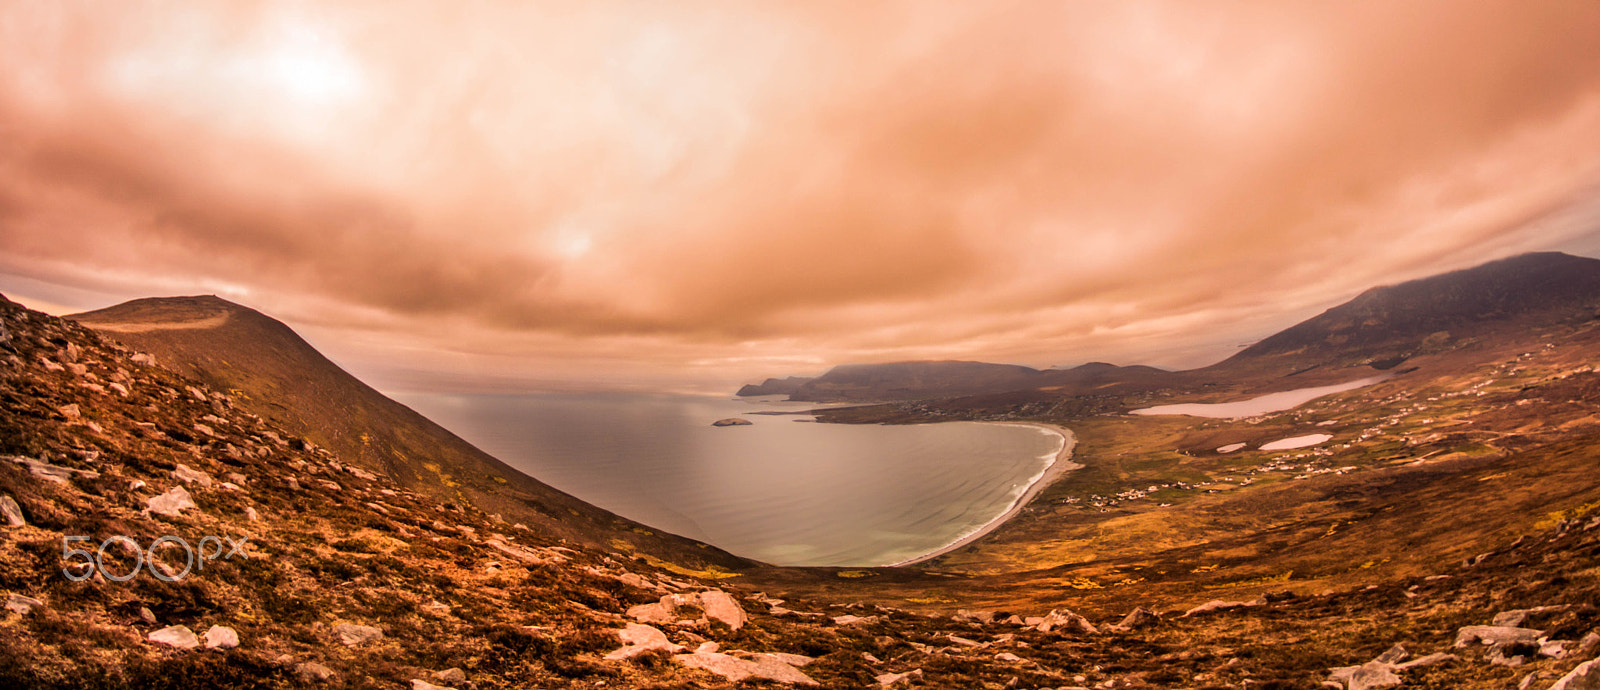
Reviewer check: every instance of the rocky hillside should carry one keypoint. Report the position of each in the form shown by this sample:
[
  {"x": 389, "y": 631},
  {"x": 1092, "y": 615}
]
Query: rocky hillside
[
  {"x": 268, "y": 370},
  {"x": 335, "y": 575}
]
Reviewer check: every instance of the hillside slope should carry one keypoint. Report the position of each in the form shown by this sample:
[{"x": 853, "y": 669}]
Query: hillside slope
[{"x": 270, "y": 371}]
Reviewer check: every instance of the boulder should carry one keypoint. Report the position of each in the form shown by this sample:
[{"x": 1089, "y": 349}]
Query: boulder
[
  {"x": 1495, "y": 634},
  {"x": 1216, "y": 605},
  {"x": 720, "y": 606},
  {"x": 313, "y": 671},
  {"x": 451, "y": 675},
  {"x": 220, "y": 637},
  {"x": 638, "y": 639},
  {"x": 176, "y": 636},
  {"x": 1060, "y": 619},
  {"x": 736, "y": 669},
  {"x": 191, "y": 476},
  {"x": 12, "y": 512},
  {"x": 1585, "y": 677},
  {"x": 892, "y": 678},
  {"x": 21, "y": 605},
  {"x": 1373, "y": 674},
  {"x": 652, "y": 613},
  {"x": 171, "y": 503},
  {"x": 351, "y": 634},
  {"x": 1429, "y": 660},
  {"x": 1139, "y": 618}
]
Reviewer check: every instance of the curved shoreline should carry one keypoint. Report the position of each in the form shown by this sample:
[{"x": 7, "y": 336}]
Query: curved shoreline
[{"x": 1059, "y": 465}]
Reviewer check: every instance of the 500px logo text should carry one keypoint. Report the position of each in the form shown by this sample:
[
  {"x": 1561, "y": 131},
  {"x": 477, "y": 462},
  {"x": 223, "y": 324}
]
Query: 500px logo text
[{"x": 144, "y": 558}]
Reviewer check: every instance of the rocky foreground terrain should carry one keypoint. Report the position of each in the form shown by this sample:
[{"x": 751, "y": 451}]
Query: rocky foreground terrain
[{"x": 326, "y": 573}]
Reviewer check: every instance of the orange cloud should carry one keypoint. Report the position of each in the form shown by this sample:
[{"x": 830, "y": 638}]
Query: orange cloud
[{"x": 704, "y": 193}]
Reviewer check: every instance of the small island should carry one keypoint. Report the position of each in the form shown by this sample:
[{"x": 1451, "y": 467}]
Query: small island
[{"x": 731, "y": 421}]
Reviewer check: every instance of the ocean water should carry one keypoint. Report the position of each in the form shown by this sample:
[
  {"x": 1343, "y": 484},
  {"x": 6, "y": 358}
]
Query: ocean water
[{"x": 782, "y": 491}]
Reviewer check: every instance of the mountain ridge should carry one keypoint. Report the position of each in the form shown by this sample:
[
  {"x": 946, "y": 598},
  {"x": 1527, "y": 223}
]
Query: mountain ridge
[{"x": 276, "y": 374}]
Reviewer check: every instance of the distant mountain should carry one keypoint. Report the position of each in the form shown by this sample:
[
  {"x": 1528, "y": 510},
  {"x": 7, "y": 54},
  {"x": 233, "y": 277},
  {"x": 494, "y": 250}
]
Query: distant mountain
[
  {"x": 1380, "y": 328},
  {"x": 948, "y": 379},
  {"x": 783, "y": 386},
  {"x": 270, "y": 371},
  {"x": 1385, "y": 325}
]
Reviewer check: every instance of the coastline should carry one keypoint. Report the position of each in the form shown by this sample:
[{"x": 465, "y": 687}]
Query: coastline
[{"x": 1059, "y": 465}]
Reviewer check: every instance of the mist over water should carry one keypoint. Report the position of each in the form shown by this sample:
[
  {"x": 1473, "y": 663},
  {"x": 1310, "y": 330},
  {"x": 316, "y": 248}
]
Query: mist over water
[{"x": 781, "y": 491}]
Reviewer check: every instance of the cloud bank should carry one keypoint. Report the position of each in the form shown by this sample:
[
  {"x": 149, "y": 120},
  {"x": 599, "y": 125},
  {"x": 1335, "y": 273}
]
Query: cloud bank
[{"x": 699, "y": 194}]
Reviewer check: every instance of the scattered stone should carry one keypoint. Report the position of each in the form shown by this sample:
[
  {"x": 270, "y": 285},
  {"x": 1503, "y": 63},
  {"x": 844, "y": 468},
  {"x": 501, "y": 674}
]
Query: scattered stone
[
  {"x": 204, "y": 429},
  {"x": 1493, "y": 634},
  {"x": 735, "y": 669},
  {"x": 1007, "y": 656},
  {"x": 892, "y": 678},
  {"x": 120, "y": 389},
  {"x": 719, "y": 606},
  {"x": 144, "y": 359},
  {"x": 176, "y": 636},
  {"x": 251, "y": 514},
  {"x": 1585, "y": 677},
  {"x": 731, "y": 421},
  {"x": 425, "y": 685},
  {"x": 849, "y": 619},
  {"x": 1429, "y": 660},
  {"x": 638, "y": 639},
  {"x": 221, "y": 637},
  {"x": 790, "y": 659},
  {"x": 12, "y": 512},
  {"x": 1216, "y": 605},
  {"x": 351, "y": 634},
  {"x": 53, "y": 473},
  {"x": 1516, "y": 617},
  {"x": 171, "y": 503},
  {"x": 196, "y": 393},
  {"x": 146, "y": 615},
  {"x": 21, "y": 605},
  {"x": 1394, "y": 655},
  {"x": 979, "y": 616},
  {"x": 191, "y": 476},
  {"x": 451, "y": 675},
  {"x": 1060, "y": 619},
  {"x": 1139, "y": 618},
  {"x": 313, "y": 671},
  {"x": 1373, "y": 674},
  {"x": 69, "y": 411}
]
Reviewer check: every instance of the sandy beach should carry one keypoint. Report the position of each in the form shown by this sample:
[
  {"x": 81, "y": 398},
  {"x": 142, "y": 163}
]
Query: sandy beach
[{"x": 1059, "y": 465}]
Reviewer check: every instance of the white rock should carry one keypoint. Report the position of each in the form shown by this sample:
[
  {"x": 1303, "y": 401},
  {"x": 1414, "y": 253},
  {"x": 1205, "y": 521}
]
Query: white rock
[
  {"x": 719, "y": 606},
  {"x": 221, "y": 637},
  {"x": 175, "y": 636},
  {"x": 735, "y": 669},
  {"x": 21, "y": 605},
  {"x": 638, "y": 639},
  {"x": 351, "y": 634},
  {"x": 192, "y": 476},
  {"x": 171, "y": 503},
  {"x": 892, "y": 678},
  {"x": 1494, "y": 634},
  {"x": 1585, "y": 677},
  {"x": 12, "y": 512}
]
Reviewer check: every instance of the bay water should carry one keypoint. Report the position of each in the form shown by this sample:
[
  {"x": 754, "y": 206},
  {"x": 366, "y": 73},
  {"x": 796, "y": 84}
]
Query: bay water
[{"x": 782, "y": 490}]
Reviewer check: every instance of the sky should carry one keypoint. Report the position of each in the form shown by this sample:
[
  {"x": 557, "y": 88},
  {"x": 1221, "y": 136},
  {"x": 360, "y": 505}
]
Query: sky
[{"x": 690, "y": 196}]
